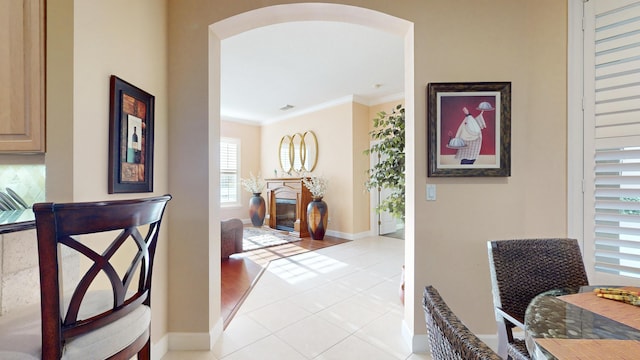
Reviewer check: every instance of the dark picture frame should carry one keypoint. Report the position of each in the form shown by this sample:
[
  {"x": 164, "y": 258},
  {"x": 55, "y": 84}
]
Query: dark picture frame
[
  {"x": 131, "y": 114},
  {"x": 469, "y": 129}
]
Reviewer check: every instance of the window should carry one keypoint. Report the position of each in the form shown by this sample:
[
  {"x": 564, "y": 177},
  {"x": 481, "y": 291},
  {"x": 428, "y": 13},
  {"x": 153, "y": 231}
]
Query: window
[
  {"x": 229, "y": 171},
  {"x": 612, "y": 138}
]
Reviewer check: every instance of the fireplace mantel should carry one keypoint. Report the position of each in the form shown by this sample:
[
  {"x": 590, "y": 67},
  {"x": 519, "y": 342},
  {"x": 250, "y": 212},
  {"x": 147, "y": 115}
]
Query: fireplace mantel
[{"x": 289, "y": 188}]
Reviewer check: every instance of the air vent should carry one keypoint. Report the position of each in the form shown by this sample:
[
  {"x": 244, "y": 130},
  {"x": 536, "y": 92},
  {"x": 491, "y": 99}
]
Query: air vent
[{"x": 286, "y": 107}]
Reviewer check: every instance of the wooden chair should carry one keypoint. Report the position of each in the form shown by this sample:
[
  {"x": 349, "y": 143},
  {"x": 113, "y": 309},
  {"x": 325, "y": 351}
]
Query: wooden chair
[
  {"x": 86, "y": 323},
  {"x": 449, "y": 338},
  {"x": 522, "y": 269}
]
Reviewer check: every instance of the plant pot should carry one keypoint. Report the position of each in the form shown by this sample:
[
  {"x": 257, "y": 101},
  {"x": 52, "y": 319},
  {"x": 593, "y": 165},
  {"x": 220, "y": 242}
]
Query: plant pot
[
  {"x": 257, "y": 209},
  {"x": 317, "y": 218}
]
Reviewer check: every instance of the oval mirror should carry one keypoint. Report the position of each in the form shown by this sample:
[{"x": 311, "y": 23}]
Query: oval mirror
[
  {"x": 310, "y": 150},
  {"x": 284, "y": 154},
  {"x": 297, "y": 145}
]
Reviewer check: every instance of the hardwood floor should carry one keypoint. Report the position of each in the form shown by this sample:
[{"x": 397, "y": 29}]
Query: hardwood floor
[{"x": 240, "y": 272}]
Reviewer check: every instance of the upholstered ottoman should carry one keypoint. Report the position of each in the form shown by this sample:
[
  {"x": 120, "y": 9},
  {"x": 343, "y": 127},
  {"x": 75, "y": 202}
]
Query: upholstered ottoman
[{"x": 230, "y": 237}]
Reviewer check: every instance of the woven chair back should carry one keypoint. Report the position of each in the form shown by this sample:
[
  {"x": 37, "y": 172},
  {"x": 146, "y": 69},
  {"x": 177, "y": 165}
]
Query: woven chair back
[
  {"x": 449, "y": 338},
  {"x": 522, "y": 269}
]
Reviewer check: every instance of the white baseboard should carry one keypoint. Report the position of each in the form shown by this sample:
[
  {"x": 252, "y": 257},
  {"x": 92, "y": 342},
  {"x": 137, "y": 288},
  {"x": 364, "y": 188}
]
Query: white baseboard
[
  {"x": 187, "y": 341},
  {"x": 418, "y": 343},
  {"x": 160, "y": 348},
  {"x": 348, "y": 236}
]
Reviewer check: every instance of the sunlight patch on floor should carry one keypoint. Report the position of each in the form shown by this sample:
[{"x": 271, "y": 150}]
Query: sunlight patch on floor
[{"x": 304, "y": 267}]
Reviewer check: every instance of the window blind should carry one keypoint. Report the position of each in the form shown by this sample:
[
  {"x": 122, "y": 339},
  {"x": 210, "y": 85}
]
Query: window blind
[
  {"x": 229, "y": 156},
  {"x": 617, "y": 137}
]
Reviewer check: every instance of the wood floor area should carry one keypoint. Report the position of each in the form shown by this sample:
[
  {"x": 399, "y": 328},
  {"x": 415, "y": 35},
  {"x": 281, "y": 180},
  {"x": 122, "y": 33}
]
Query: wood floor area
[{"x": 240, "y": 272}]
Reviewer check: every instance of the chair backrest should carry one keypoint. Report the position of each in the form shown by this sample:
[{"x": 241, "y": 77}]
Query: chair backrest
[
  {"x": 522, "y": 269},
  {"x": 84, "y": 228},
  {"x": 449, "y": 338}
]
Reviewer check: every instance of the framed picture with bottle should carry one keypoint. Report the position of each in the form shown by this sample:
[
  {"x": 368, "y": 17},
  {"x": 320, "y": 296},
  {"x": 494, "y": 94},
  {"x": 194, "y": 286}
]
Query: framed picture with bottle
[{"x": 131, "y": 115}]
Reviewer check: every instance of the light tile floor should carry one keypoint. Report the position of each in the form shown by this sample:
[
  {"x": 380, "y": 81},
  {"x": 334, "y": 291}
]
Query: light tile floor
[{"x": 339, "y": 302}]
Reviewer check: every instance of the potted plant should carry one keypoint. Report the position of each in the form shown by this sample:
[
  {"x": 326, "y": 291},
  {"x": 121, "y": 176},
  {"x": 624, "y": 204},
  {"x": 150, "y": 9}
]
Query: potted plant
[
  {"x": 257, "y": 207},
  {"x": 389, "y": 131},
  {"x": 317, "y": 210}
]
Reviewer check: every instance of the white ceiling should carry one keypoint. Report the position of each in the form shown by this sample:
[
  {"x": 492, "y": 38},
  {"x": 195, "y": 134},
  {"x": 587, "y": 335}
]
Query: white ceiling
[{"x": 307, "y": 64}]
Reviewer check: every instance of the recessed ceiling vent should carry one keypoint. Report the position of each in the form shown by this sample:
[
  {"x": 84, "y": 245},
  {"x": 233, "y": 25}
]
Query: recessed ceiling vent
[{"x": 286, "y": 107}]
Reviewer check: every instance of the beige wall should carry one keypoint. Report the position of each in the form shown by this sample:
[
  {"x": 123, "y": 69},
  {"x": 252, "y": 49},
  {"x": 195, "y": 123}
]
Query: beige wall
[
  {"x": 88, "y": 41},
  {"x": 339, "y": 132},
  {"x": 250, "y": 154},
  {"x": 467, "y": 40},
  {"x": 360, "y": 164}
]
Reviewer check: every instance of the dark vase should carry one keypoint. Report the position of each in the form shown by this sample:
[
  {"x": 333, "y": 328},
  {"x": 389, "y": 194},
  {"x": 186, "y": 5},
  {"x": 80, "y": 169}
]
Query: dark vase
[
  {"x": 257, "y": 209},
  {"x": 317, "y": 218}
]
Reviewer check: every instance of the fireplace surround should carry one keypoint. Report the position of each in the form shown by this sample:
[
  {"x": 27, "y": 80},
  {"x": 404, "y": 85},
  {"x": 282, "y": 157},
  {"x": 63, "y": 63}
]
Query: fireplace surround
[{"x": 287, "y": 201}]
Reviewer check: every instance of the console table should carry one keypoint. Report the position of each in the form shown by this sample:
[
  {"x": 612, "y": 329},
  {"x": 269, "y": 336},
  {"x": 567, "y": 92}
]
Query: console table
[{"x": 288, "y": 189}]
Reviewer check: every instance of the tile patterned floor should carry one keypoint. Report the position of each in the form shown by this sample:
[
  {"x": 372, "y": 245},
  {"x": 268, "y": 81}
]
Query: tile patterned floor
[{"x": 339, "y": 302}]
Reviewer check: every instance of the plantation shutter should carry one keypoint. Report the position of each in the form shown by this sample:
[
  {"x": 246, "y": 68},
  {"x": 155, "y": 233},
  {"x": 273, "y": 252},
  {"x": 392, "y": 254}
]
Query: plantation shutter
[
  {"x": 229, "y": 149},
  {"x": 616, "y": 135}
]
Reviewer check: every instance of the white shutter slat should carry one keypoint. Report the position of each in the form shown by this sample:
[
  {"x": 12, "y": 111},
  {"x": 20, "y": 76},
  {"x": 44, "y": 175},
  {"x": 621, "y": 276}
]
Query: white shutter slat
[
  {"x": 631, "y": 140},
  {"x": 616, "y": 269},
  {"x": 615, "y": 256},
  {"x": 621, "y": 130},
  {"x": 619, "y": 51},
  {"x": 617, "y": 180},
  {"x": 615, "y": 119},
  {"x": 616, "y": 230},
  {"x": 616, "y": 217},
  {"x": 617, "y": 154},
  {"x": 616, "y": 167},
  {"x": 618, "y": 93},
  {"x": 607, "y": 10},
  {"x": 616, "y": 243},
  {"x": 618, "y": 193},
  {"x": 617, "y": 205}
]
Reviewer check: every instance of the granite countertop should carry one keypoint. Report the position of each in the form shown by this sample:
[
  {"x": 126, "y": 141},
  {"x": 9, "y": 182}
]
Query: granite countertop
[{"x": 16, "y": 220}]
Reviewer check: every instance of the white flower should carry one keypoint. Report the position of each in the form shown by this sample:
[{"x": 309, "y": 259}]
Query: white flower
[
  {"x": 317, "y": 185},
  {"x": 254, "y": 185}
]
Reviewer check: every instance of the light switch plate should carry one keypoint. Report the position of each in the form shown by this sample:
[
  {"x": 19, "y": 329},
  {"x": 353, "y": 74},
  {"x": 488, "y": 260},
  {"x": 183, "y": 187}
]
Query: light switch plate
[{"x": 431, "y": 192}]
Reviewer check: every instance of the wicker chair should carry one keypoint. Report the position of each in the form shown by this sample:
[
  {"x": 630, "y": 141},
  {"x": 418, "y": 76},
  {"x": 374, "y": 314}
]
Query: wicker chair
[
  {"x": 522, "y": 269},
  {"x": 449, "y": 338}
]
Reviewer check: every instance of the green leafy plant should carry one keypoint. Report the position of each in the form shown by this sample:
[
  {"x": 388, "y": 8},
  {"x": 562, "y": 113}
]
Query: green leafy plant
[{"x": 388, "y": 173}]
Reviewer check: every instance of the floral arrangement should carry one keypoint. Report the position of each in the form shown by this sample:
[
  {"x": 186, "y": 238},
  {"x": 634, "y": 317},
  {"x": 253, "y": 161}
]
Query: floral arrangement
[
  {"x": 254, "y": 184},
  {"x": 317, "y": 185}
]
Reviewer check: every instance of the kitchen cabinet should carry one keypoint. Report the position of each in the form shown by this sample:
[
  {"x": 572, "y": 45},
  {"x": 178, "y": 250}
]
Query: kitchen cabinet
[{"x": 22, "y": 71}]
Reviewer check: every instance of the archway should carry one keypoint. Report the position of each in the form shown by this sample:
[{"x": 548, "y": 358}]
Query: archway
[{"x": 317, "y": 12}]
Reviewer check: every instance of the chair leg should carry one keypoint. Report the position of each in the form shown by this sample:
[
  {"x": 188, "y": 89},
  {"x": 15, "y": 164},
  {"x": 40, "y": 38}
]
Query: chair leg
[
  {"x": 503, "y": 340},
  {"x": 145, "y": 352}
]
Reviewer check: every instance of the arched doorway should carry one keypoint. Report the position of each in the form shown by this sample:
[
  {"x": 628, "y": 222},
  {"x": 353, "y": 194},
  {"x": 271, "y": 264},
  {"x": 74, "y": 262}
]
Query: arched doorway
[{"x": 310, "y": 12}]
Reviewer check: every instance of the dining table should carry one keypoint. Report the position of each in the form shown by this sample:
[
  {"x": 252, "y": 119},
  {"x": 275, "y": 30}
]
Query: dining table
[{"x": 576, "y": 323}]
